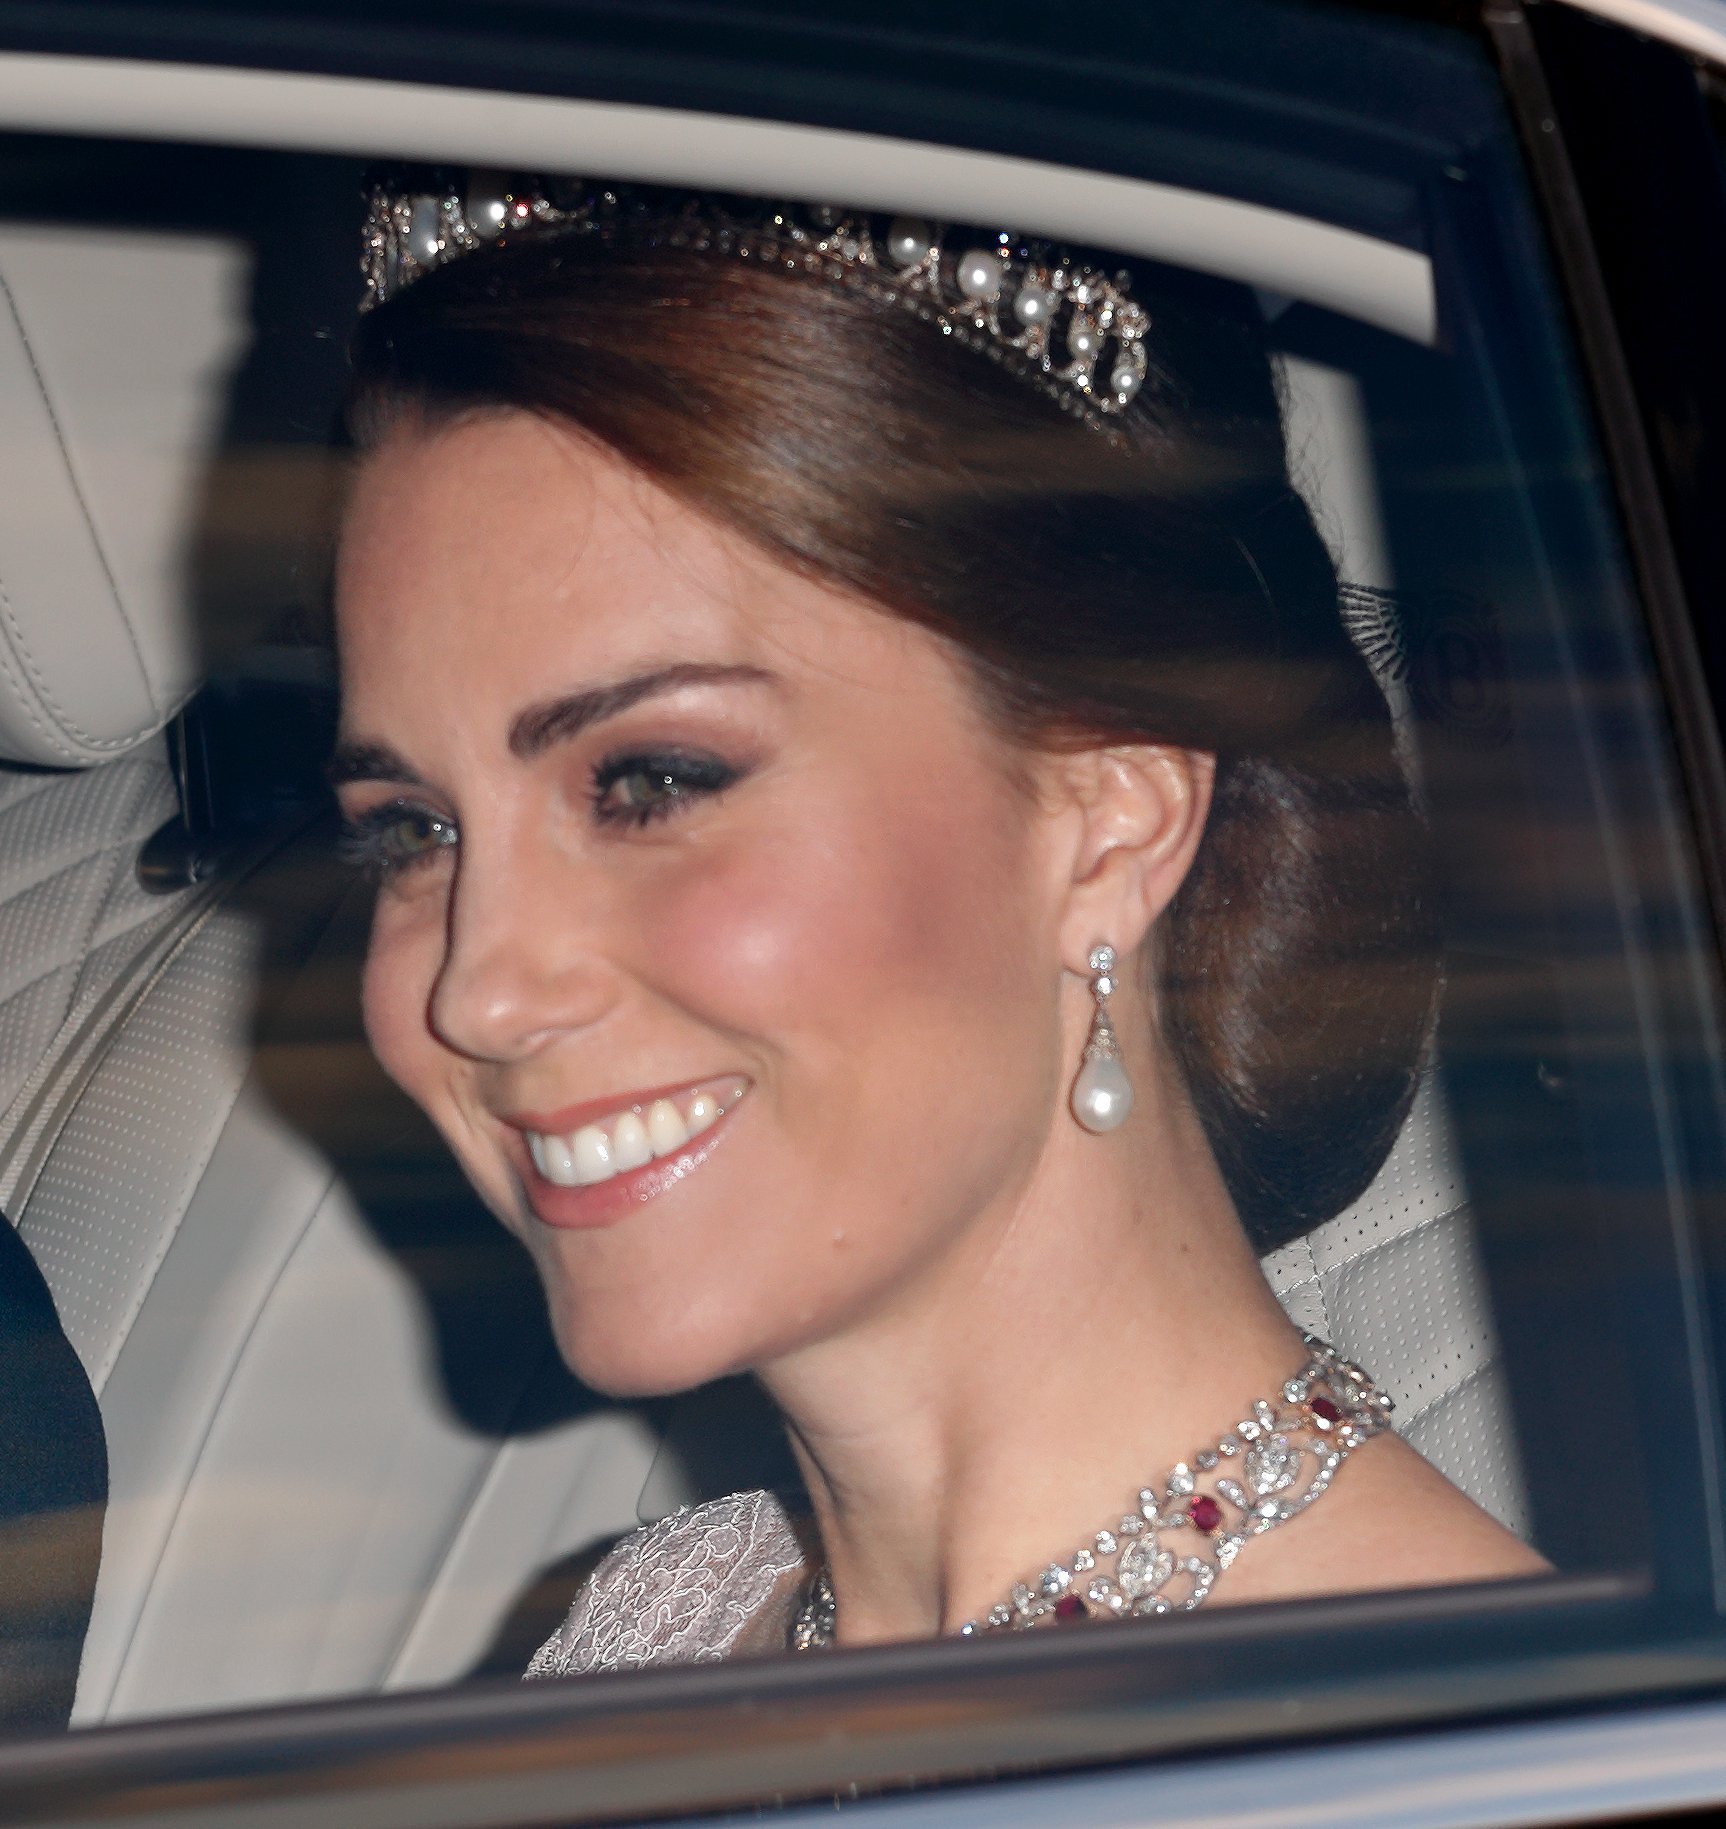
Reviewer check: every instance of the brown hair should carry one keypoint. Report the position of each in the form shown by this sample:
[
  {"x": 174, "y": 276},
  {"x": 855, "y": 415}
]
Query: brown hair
[{"x": 1162, "y": 585}]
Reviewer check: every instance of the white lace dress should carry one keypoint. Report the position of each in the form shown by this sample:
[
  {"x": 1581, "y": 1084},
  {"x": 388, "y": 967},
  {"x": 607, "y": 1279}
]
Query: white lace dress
[{"x": 709, "y": 1582}]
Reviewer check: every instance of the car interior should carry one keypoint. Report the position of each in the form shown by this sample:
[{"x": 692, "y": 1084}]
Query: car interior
[{"x": 344, "y": 1456}]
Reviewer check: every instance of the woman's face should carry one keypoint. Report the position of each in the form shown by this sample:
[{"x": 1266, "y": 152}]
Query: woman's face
[{"x": 714, "y": 933}]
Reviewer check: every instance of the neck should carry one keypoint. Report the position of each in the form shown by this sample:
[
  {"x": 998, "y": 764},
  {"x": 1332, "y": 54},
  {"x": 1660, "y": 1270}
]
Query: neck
[{"x": 1106, "y": 1323}]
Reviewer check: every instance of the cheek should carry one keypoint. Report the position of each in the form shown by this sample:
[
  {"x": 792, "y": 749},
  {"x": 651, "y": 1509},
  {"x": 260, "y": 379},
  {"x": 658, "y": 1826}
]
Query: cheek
[
  {"x": 753, "y": 936},
  {"x": 907, "y": 901},
  {"x": 402, "y": 960}
]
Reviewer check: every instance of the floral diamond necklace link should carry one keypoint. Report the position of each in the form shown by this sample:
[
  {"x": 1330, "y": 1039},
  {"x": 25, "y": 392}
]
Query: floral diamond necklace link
[{"x": 1285, "y": 1457}]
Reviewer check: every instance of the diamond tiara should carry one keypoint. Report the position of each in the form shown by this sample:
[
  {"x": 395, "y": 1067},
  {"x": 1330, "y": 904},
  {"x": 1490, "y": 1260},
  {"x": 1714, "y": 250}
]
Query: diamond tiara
[{"x": 1070, "y": 329}]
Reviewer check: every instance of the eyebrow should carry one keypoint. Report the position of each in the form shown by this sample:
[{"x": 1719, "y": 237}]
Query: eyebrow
[
  {"x": 555, "y": 721},
  {"x": 537, "y": 728},
  {"x": 369, "y": 762}
]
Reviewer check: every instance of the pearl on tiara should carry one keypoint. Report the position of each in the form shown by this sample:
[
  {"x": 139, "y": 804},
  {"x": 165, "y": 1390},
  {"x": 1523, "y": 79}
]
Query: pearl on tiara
[
  {"x": 1072, "y": 330},
  {"x": 980, "y": 274},
  {"x": 909, "y": 241}
]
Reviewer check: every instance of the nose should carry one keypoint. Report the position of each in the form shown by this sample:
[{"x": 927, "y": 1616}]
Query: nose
[{"x": 523, "y": 964}]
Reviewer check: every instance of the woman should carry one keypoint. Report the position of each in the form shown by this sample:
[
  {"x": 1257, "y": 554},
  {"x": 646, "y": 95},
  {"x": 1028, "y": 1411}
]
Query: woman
[{"x": 894, "y": 879}]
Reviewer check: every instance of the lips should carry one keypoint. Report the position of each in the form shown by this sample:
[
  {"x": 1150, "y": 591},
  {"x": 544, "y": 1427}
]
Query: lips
[{"x": 589, "y": 1164}]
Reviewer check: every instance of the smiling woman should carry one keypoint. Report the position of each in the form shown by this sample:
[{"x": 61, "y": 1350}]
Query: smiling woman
[{"x": 828, "y": 702}]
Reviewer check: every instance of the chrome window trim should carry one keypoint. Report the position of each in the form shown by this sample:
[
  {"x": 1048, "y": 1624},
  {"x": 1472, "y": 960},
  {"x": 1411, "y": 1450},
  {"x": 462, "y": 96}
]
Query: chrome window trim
[
  {"x": 1338, "y": 268},
  {"x": 1697, "y": 26},
  {"x": 1547, "y": 1772},
  {"x": 155, "y": 100}
]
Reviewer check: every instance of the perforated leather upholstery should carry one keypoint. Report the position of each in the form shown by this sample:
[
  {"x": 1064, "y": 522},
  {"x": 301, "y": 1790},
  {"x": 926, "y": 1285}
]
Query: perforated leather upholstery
[
  {"x": 296, "y": 1508},
  {"x": 1396, "y": 1283},
  {"x": 72, "y": 914},
  {"x": 341, "y": 1444}
]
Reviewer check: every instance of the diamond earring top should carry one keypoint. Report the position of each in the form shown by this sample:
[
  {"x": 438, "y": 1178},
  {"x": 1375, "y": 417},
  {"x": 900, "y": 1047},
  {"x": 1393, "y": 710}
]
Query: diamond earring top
[
  {"x": 1102, "y": 1094},
  {"x": 1072, "y": 330}
]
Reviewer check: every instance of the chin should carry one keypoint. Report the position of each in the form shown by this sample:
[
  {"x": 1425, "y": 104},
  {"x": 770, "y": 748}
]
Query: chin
[{"x": 629, "y": 1353}]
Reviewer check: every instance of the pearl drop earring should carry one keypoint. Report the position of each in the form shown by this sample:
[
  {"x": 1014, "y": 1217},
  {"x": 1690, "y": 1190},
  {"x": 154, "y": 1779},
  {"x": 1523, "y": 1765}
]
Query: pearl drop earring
[{"x": 1102, "y": 1094}]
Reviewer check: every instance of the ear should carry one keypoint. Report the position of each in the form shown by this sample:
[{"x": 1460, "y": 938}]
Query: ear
[{"x": 1141, "y": 813}]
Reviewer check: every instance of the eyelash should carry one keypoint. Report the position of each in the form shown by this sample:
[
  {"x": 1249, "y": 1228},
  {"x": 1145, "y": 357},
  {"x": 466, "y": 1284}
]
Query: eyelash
[
  {"x": 365, "y": 841},
  {"x": 674, "y": 779}
]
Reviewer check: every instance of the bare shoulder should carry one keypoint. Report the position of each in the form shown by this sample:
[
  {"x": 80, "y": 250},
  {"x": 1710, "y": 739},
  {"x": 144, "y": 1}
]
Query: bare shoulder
[{"x": 1391, "y": 1520}]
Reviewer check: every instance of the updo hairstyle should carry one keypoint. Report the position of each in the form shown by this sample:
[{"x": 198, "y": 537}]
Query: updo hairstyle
[{"x": 1161, "y": 582}]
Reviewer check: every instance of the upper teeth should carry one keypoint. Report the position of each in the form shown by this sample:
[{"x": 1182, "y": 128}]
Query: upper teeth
[{"x": 629, "y": 1138}]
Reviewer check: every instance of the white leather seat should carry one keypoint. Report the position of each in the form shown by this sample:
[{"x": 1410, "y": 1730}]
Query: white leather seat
[
  {"x": 341, "y": 1444},
  {"x": 298, "y": 1505},
  {"x": 1397, "y": 1281}
]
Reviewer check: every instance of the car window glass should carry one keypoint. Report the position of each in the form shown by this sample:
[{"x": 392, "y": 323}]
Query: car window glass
[{"x": 345, "y": 1456}]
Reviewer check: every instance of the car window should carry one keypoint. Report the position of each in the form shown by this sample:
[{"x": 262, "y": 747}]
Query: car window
[{"x": 347, "y": 1462}]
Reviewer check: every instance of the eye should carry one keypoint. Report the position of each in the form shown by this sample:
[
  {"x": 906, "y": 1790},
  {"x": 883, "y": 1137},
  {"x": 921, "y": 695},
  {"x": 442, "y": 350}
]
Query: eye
[
  {"x": 390, "y": 839},
  {"x": 634, "y": 789}
]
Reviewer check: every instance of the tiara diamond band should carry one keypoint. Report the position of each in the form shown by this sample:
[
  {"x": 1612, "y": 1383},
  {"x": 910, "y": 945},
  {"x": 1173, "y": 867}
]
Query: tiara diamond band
[{"x": 1073, "y": 330}]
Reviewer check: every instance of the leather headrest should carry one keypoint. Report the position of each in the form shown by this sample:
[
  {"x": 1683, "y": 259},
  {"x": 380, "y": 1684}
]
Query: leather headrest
[{"x": 115, "y": 352}]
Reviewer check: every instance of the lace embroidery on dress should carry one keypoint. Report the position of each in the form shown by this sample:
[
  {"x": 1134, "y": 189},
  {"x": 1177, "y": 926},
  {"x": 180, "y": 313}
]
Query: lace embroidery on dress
[{"x": 682, "y": 1591}]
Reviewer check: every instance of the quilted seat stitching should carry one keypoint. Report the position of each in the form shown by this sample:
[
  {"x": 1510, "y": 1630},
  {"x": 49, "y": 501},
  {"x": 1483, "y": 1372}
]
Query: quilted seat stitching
[
  {"x": 15, "y": 892},
  {"x": 116, "y": 852},
  {"x": 178, "y": 1203},
  {"x": 1394, "y": 1238},
  {"x": 1469, "y": 1377},
  {"x": 128, "y": 834},
  {"x": 11, "y": 996},
  {"x": 32, "y": 786},
  {"x": 157, "y": 909},
  {"x": 16, "y": 682},
  {"x": 122, "y": 854}
]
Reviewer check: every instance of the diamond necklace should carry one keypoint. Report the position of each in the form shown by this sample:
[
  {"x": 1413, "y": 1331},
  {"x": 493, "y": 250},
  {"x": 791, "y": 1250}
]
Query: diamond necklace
[{"x": 1286, "y": 1458}]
